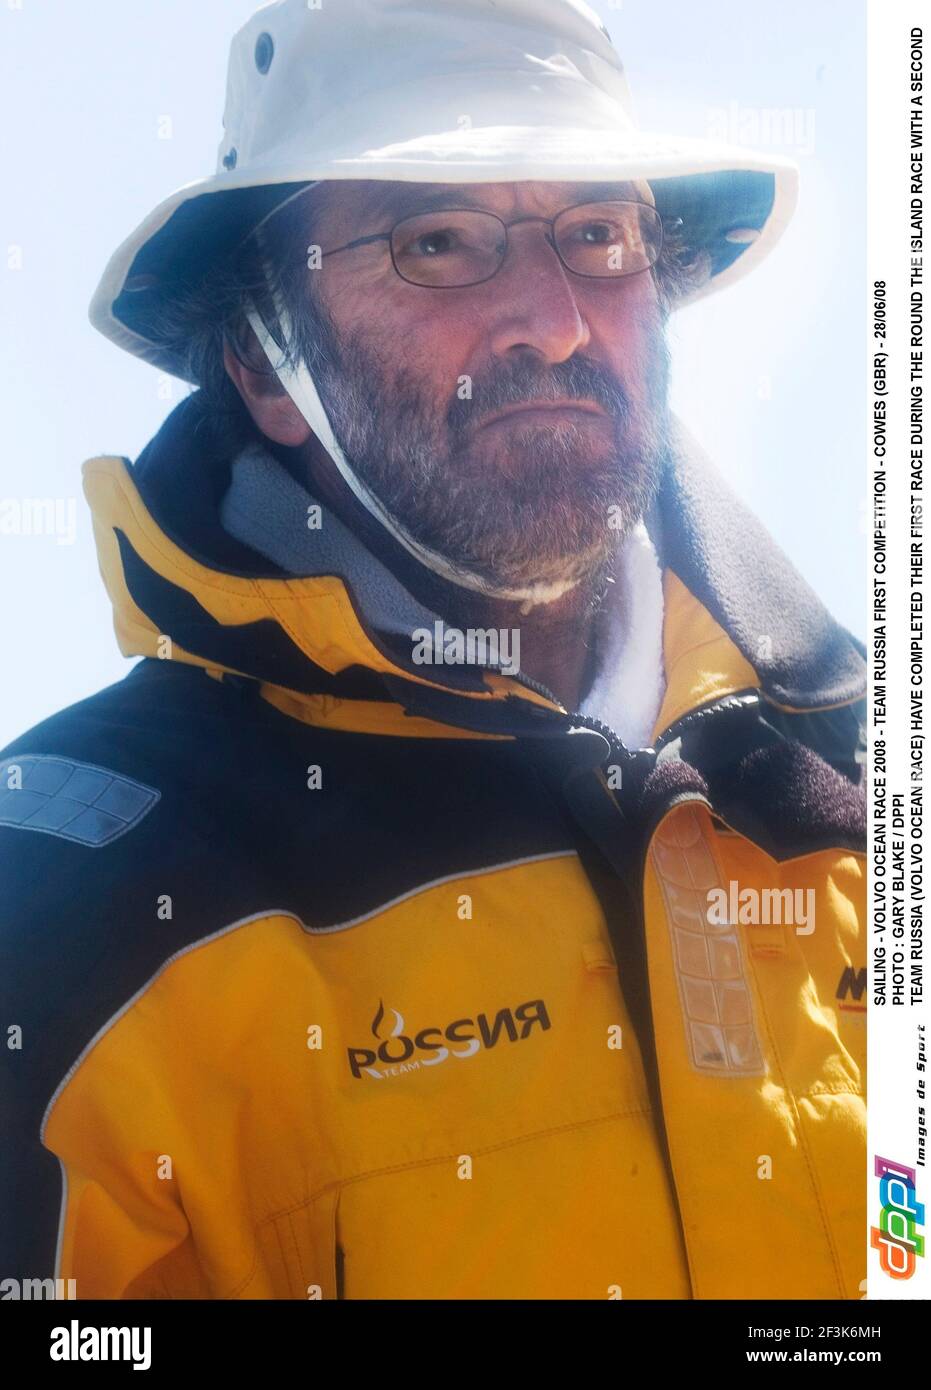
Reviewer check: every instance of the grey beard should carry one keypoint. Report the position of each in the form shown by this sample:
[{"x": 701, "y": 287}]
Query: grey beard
[{"x": 552, "y": 515}]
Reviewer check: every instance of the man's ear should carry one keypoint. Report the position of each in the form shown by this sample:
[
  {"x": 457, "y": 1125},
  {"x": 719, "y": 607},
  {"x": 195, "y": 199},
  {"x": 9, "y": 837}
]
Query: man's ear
[{"x": 265, "y": 398}]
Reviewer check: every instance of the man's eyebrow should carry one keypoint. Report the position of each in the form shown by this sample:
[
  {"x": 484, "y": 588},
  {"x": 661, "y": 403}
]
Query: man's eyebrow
[{"x": 409, "y": 199}]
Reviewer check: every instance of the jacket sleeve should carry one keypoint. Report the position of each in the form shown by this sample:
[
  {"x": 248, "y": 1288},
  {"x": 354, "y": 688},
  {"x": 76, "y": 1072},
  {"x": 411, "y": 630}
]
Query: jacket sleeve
[
  {"x": 74, "y": 1202},
  {"x": 79, "y": 1199}
]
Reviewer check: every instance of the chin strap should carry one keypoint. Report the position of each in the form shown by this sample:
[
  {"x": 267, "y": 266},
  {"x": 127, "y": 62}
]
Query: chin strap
[{"x": 299, "y": 384}]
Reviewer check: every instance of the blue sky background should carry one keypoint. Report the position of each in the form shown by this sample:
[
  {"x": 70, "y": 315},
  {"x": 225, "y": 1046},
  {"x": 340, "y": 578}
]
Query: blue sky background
[{"x": 769, "y": 374}]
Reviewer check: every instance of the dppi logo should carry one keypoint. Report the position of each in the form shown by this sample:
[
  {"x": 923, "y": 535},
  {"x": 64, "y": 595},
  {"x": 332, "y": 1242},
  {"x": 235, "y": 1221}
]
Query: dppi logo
[
  {"x": 896, "y": 1237},
  {"x": 397, "y": 1050}
]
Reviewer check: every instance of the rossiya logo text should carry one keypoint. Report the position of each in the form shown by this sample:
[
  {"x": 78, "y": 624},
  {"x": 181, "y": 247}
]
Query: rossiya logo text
[{"x": 400, "y": 1052}]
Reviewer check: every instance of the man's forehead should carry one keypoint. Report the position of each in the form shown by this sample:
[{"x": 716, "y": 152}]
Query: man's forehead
[{"x": 389, "y": 199}]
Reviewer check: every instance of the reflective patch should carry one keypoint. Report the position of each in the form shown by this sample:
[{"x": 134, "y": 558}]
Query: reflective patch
[
  {"x": 713, "y": 988},
  {"x": 74, "y": 801}
]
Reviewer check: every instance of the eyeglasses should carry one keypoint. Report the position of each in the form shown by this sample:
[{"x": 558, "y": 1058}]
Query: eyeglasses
[{"x": 456, "y": 247}]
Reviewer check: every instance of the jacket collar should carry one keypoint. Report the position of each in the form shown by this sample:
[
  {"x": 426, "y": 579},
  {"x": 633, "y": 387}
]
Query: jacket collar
[
  {"x": 724, "y": 555},
  {"x": 738, "y": 616}
]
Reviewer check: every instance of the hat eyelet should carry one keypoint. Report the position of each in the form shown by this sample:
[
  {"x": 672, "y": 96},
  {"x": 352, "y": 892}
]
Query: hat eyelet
[
  {"x": 743, "y": 236},
  {"x": 229, "y": 160},
  {"x": 264, "y": 52}
]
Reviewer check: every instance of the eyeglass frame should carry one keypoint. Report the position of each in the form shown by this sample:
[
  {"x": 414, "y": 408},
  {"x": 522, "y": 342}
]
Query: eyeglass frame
[{"x": 549, "y": 222}]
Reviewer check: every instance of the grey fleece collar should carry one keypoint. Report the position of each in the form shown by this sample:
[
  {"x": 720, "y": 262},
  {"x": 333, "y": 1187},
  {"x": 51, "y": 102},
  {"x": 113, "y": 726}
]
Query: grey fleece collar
[{"x": 266, "y": 509}]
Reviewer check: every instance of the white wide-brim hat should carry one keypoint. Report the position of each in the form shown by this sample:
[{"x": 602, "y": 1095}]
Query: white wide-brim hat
[{"x": 454, "y": 91}]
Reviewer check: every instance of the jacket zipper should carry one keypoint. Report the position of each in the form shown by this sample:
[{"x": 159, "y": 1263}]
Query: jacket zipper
[
  {"x": 578, "y": 720},
  {"x": 644, "y": 759},
  {"x": 631, "y": 894}
]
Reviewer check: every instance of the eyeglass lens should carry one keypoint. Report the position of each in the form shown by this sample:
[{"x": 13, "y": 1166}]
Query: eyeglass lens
[{"x": 464, "y": 246}]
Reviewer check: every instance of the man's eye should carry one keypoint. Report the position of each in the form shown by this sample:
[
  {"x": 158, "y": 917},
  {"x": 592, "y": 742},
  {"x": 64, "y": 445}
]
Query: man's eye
[
  {"x": 435, "y": 243},
  {"x": 598, "y": 233}
]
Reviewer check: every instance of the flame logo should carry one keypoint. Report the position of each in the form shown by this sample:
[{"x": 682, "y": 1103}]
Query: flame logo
[{"x": 380, "y": 1018}]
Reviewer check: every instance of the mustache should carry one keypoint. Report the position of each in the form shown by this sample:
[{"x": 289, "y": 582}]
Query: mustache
[
  {"x": 506, "y": 383},
  {"x": 576, "y": 379}
]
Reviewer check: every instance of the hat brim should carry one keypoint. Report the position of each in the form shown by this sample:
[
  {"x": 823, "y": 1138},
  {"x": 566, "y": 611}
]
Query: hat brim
[{"x": 734, "y": 205}]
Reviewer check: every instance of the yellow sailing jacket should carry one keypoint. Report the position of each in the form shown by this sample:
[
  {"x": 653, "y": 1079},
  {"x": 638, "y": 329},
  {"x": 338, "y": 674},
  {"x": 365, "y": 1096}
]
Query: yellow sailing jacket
[{"x": 336, "y": 979}]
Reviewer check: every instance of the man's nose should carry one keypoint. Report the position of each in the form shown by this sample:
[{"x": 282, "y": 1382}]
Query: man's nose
[{"x": 535, "y": 307}]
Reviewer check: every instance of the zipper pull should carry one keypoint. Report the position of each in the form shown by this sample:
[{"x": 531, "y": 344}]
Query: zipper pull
[
  {"x": 635, "y": 768},
  {"x": 634, "y": 765}
]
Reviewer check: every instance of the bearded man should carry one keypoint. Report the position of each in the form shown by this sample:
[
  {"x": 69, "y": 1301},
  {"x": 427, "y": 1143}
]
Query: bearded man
[{"x": 457, "y": 899}]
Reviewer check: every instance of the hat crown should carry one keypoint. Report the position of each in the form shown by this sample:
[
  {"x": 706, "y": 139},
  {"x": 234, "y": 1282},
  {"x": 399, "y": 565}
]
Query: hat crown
[
  {"x": 432, "y": 91},
  {"x": 383, "y": 72}
]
